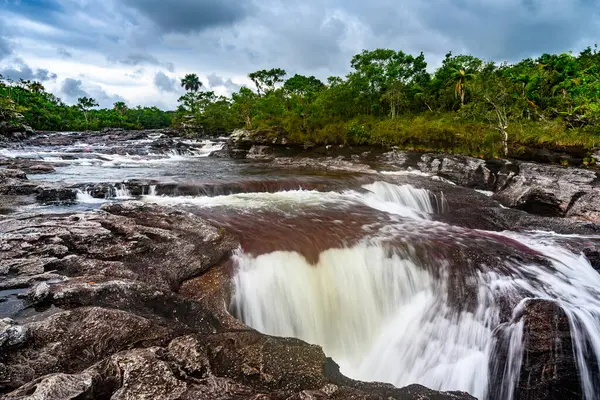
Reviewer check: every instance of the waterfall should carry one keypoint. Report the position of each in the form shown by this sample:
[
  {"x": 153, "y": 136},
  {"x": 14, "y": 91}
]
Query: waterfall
[
  {"x": 385, "y": 315},
  {"x": 85, "y": 197},
  {"x": 121, "y": 191}
]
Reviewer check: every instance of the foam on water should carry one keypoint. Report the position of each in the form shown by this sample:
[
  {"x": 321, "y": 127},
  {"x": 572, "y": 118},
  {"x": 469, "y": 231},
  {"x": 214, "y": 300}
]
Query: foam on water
[
  {"x": 383, "y": 315},
  {"x": 403, "y": 200}
]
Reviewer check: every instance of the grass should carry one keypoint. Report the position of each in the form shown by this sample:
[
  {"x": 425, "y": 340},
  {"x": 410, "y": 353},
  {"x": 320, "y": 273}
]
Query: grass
[{"x": 441, "y": 133}]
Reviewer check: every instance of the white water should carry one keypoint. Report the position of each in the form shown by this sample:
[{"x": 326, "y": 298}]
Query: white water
[
  {"x": 384, "y": 316},
  {"x": 209, "y": 147},
  {"x": 86, "y": 198},
  {"x": 121, "y": 192},
  {"x": 403, "y": 200}
]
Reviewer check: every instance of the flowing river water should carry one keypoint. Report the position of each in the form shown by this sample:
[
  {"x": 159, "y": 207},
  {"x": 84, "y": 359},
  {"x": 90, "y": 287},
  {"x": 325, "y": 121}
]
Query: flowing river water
[{"x": 361, "y": 264}]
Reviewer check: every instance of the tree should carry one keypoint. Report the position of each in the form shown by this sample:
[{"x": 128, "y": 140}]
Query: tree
[
  {"x": 303, "y": 86},
  {"x": 243, "y": 104},
  {"x": 380, "y": 74},
  {"x": 191, "y": 83},
  {"x": 85, "y": 104},
  {"x": 36, "y": 87},
  {"x": 121, "y": 108},
  {"x": 266, "y": 80}
]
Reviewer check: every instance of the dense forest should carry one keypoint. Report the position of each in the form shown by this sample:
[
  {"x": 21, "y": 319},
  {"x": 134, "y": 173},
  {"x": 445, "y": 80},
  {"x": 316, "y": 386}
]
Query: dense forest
[{"x": 467, "y": 105}]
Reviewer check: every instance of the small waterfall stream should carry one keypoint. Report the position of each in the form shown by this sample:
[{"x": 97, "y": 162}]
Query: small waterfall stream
[{"x": 385, "y": 314}]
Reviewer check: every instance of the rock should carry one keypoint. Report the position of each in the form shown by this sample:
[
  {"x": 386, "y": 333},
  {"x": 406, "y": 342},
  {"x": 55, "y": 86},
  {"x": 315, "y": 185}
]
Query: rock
[
  {"x": 223, "y": 153},
  {"x": 546, "y": 189},
  {"x": 12, "y": 174},
  {"x": 549, "y": 369},
  {"x": 11, "y": 335},
  {"x": 49, "y": 195},
  {"x": 468, "y": 171},
  {"x": 58, "y": 387},
  {"x": 70, "y": 341},
  {"x": 13, "y": 182},
  {"x": 260, "y": 152},
  {"x": 155, "y": 244},
  {"x": 28, "y": 166},
  {"x": 321, "y": 164},
  {"x": 587, "y": 207}
]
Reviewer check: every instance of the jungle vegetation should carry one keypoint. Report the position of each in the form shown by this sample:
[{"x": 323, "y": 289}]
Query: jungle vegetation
[{"x": 467, "y": 105}]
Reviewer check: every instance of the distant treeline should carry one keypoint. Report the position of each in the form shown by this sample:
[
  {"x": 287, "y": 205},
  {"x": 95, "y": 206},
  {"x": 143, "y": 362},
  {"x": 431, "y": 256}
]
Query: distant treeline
[{"x": 389, "y": 98}]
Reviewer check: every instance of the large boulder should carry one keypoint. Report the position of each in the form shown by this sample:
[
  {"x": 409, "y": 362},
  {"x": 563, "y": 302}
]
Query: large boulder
[
  {"x": 14, "y": 182},
  {"x": 547, "y": 189},
  {"x": 154, "y": 244}
]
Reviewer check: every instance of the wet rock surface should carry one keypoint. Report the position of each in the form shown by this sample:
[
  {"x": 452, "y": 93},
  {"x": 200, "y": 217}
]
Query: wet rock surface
[
  {"x": 541, "y": 189},
  {"x": 129, "y": 301},
  {"x": 549, "y": 370},
  {"x": 129, "y": 305}
]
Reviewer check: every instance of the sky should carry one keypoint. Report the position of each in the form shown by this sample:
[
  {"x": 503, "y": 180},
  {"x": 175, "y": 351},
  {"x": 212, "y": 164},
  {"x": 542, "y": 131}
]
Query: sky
[{"x": 137, "y": 50}]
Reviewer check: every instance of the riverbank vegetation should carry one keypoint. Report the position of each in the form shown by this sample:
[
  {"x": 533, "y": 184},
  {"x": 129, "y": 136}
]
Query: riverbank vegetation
[
  {"x": 467, "y": 105},
  {"x": 27, "y": 103}
]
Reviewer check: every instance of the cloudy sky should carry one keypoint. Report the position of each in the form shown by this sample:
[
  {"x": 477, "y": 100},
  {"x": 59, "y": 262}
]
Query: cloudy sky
[{"x": 136, "y": 50}]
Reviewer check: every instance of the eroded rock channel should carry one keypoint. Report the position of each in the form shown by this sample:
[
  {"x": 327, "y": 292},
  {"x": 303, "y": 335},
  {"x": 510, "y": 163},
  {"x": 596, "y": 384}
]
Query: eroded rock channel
[{"x": 147, "y": 269}]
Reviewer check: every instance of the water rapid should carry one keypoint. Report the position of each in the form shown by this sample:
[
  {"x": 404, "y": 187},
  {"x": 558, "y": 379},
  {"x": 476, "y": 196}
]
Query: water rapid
[{"x": 387, "y": 313}]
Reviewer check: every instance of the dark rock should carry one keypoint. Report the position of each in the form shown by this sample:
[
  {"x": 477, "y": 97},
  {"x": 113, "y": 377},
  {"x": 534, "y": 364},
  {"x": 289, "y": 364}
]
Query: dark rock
[
  {"x": 223, "y": 153},
  {"x": 70, "y": 341},
  {"x": 48, "y": 195},
  {"x": 13, "y": 182},
  {"x": 493, "y": 218},
  {"x": 549, "y": 369},
  {"x": 546, "y": 189},
  {"x": 160, "y": 245},
  {"x": 28, "y": 166},
  {"x": 260, "y": 152},
  {"x": 320, "y": 164}
]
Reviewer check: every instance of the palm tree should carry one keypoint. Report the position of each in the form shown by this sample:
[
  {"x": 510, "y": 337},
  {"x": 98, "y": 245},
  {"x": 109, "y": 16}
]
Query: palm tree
[
  {"x": 191, "y": 83},
  {"x": 460, "y": 75},
  {"x": 121, "y": 108},
  {"x": 36, "y": 87}
]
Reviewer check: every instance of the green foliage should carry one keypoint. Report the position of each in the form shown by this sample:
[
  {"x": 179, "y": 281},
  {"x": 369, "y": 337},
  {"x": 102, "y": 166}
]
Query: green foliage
[
  {"x": 191, "y": 83},
  {"x": 28, "y": 103},
  {"x": 389, "y": 98}
]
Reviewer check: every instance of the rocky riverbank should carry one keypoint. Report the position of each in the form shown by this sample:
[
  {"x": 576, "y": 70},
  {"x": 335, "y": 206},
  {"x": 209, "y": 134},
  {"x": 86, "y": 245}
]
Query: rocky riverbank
[
  {"x": 129, "y": 300},
  {"x": 129, "y": 303},
  {"x": 541, "y": 189}
]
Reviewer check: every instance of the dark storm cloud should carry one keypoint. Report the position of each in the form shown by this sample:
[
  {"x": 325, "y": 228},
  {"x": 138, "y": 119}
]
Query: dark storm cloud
[
  {"x": 72, "y": 88},
  {"x": 493, "y": 29},
  {"x": 184, "y": 16},
  {"x": 164, "y": 83},
  {"x": 515, "y": 28},
  {"x": 25, "y": 72}
]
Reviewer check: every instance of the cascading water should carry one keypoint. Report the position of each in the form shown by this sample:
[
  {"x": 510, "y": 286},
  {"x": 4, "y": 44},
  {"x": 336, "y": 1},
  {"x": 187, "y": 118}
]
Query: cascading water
[
  {"x": 121, "y": 191},
  {"x": 386, "y": 313}
]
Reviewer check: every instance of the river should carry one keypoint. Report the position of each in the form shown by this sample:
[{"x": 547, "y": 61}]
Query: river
[{"x": 365, "y": 264}]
